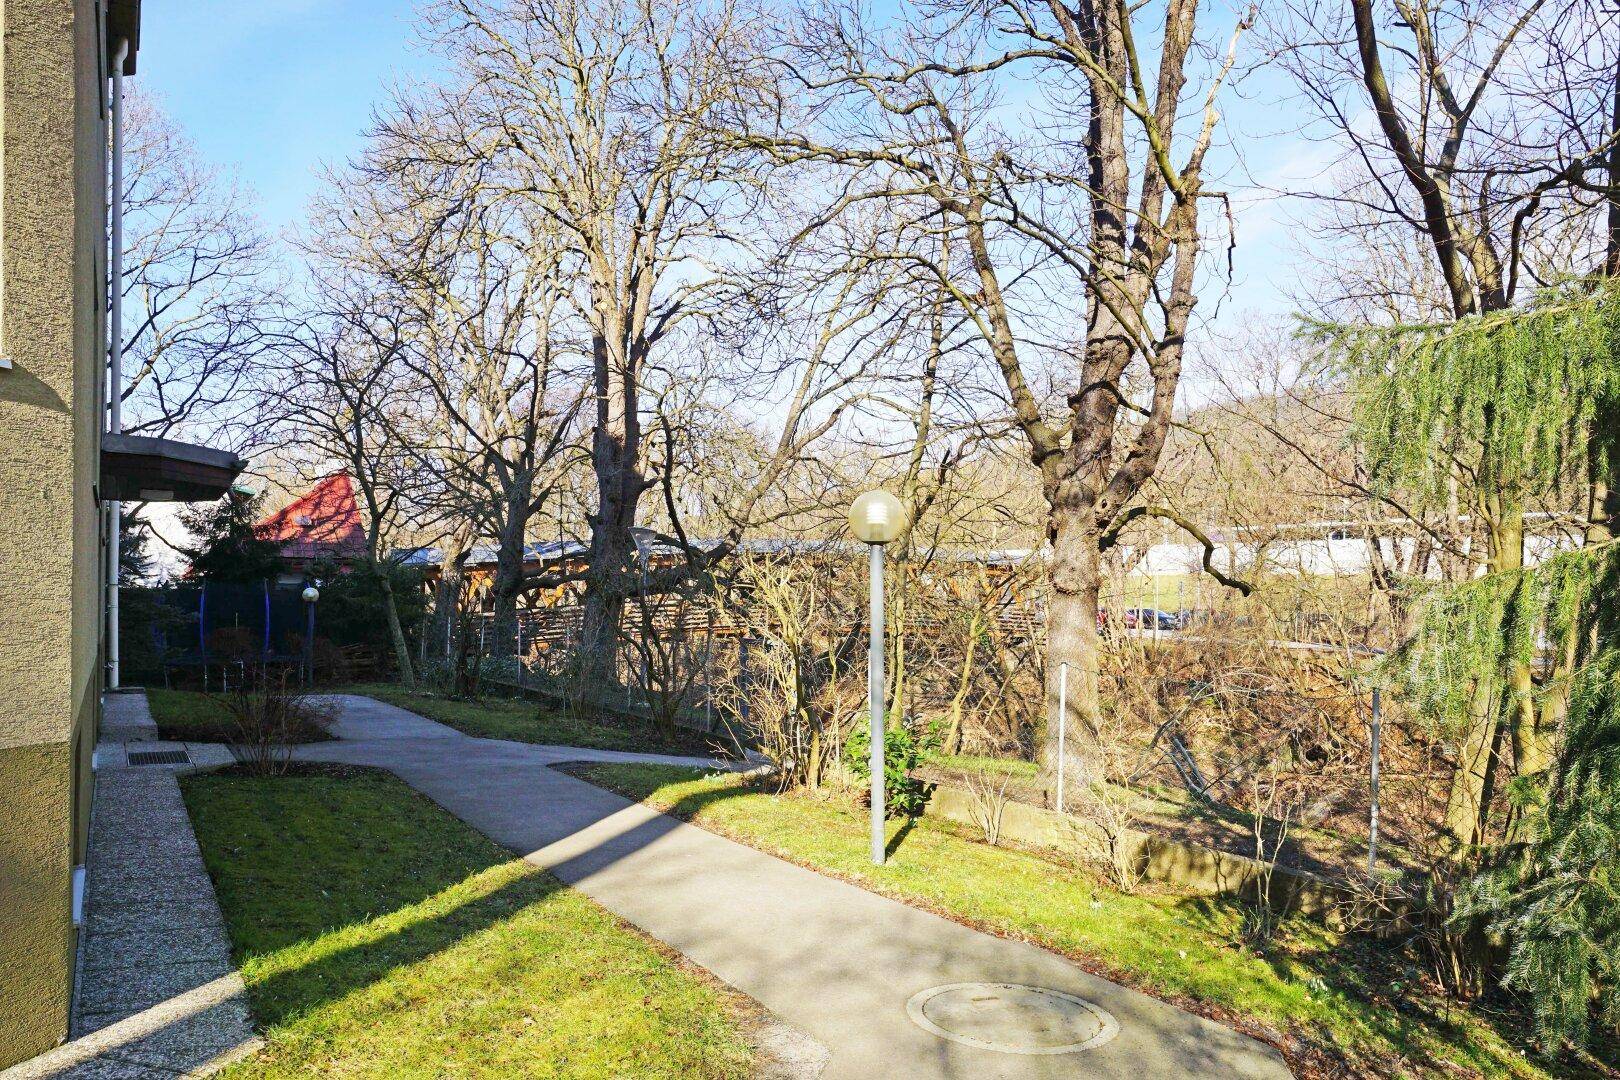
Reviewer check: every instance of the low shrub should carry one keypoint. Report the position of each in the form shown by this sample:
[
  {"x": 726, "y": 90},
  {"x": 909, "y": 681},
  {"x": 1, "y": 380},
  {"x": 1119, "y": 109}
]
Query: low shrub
[
  {"x": 902, "y": 752},
  {"x": 271, "y": 716}
]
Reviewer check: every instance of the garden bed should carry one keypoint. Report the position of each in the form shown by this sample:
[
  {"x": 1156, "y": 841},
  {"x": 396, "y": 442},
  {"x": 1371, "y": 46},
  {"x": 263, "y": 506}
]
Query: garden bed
[{"x": 193, "y": 716}]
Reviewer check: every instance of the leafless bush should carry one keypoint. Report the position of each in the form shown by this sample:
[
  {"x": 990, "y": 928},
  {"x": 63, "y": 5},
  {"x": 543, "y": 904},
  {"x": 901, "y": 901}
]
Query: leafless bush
[
  {"x": 967, "y": 657},
  {"x": 1271, "y": 811},
  {"x": 668, "y": 653},
  {"x": 1110, "y": 807},
  {"x": 987, "y": 791},
  {"x": 271, "y": 716},
  {"x": 1112, "y": 846},
  {"x": 800, "y": 695}
]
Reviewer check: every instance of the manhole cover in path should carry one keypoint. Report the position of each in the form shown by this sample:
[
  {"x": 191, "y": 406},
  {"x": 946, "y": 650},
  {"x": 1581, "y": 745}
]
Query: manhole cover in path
[{"x": 1012, "y": 1019}]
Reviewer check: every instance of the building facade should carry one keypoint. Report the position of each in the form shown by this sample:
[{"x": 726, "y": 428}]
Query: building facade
[
  {"x": 54, "y": 74},
  {"x": 59, "y": 471}
]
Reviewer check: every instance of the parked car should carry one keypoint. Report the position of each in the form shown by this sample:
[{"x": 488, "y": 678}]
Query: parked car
[{"x": 1148, "y": 618}]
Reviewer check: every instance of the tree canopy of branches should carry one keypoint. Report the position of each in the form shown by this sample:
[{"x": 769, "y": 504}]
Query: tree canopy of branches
[
  {"x": 199, "y": 286},
  {"x": 1073, "y": 228}
]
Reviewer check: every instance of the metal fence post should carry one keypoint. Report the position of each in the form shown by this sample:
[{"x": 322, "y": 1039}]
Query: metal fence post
[{"x": 1155, "y": 616}]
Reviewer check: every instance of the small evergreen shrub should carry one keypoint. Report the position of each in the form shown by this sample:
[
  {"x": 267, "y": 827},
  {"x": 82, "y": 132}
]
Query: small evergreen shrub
[{"x": 902, "y": 752}]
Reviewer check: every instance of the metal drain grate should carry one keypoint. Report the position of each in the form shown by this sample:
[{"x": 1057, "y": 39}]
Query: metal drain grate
[{"x": 159, "y": 757}]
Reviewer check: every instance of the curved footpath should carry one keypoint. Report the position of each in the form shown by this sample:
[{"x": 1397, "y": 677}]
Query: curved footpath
[{"x": 835, "y": 962}]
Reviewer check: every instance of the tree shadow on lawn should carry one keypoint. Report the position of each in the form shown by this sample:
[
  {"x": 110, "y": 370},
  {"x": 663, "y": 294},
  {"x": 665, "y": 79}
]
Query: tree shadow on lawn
[
  {"x": 632, "y": 998},
  {"x": 1384, "y": 986},
  {"x": 330, "y": 975},
  {"x": 288, "y": 921}
]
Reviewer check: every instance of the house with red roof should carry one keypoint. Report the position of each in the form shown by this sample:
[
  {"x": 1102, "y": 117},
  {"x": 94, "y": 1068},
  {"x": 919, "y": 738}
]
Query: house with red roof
[{"x": 323, "y": 525}]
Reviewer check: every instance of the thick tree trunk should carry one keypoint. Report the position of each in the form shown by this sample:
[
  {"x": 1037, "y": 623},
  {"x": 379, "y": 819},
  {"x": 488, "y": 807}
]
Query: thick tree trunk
[
  {"x": 508, "y": 583},
  {"x": 1071, "y": 643},
  {"x": 616, "y": 461},
  {"x": 446, "y": 624},
  {"x": 402, "y": 648},
  {"x": 1530, "y": 744},
  {"x": 1502, "y": 700},
  {"x": 1476, "y": 765},
  {"x": 604, "y": 598}
]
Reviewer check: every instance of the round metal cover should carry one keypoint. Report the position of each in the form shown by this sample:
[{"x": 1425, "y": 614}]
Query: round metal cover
[{"x": 1012, "y": 1019}]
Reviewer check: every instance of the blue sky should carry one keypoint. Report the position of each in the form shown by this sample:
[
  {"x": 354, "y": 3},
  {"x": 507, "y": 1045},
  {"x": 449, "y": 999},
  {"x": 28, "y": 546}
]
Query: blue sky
[{"x": 276, "y": 88}]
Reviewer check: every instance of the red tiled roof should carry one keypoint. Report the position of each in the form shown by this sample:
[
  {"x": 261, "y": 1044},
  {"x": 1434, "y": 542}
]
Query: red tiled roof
[{"x": 324, "y": 523}]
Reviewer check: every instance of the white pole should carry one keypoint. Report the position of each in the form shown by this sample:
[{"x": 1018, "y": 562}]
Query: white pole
[
  {"x": 115, "y": 357},
  {"x": 1372, "y": 822},
  {"x": 1063, "y": 727},
  {"x": 1155, "y": 616},
  {"x": 874, "y": 700}
]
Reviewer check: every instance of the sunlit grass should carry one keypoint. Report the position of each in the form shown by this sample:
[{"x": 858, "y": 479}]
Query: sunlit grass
[
  {"x": 379, "y": 936},
  {"x": 525, "y": 721},
  {"x": 1307, "y": 991}
]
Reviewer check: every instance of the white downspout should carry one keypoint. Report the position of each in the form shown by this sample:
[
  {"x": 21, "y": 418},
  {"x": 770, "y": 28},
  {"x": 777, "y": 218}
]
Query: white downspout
[{"x": 115, "y": 355}]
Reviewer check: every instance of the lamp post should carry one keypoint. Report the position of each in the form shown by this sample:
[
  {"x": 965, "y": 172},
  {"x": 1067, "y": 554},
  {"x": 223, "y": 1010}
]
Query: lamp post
[
  {"x": 876, "y": 518},
  {"x": 311, "y": 594}
]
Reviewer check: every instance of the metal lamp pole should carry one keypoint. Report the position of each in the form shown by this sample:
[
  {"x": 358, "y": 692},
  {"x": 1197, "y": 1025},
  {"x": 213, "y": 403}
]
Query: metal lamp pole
[
  {"x": 311, "y": 594},
  {"x": 874, "y": 702},
  {"x": 876, "y": 518}
]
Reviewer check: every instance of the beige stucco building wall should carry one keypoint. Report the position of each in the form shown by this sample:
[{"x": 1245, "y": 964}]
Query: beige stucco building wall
[{"x": 52, "y": 221}]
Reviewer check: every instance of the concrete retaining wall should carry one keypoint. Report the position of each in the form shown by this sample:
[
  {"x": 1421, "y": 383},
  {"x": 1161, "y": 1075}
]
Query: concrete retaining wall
[{"x": 1190, "y": 868}]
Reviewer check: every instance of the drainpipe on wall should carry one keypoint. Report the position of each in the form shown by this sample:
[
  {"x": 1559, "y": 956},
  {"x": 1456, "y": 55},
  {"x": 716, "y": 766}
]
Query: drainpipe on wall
[{"x": 115, "y": 354}]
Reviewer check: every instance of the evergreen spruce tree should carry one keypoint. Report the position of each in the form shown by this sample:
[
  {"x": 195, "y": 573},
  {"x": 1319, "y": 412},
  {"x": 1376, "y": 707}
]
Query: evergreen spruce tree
[
  {"x": 1525, "y": 390},
  {"x": 134, "y": 561},
  {"x": 228, "y": 547}
]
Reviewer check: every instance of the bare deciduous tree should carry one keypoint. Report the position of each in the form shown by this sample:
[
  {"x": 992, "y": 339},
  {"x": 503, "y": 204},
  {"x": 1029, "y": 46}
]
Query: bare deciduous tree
[
  {"x": 1083, "y": 213},
  {"x": 199, "y": 285}
]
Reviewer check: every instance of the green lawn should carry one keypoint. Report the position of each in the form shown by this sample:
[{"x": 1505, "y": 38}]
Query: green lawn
[
  {"x": 187, "y": 716},
  {"x": 380, "y": 937},
  {"x": 190, "y": 716},
  {"x": 526, "y": 721},
  {"x": 1017, "y": 768},
  {"x": 1330, "y": 1002}
]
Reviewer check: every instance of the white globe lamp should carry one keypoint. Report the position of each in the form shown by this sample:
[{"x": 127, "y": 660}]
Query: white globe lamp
[{"x": 876, "y": 517}]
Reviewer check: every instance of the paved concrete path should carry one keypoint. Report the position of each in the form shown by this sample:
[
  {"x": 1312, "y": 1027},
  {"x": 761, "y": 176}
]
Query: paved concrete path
[{"x": 834, "y": 961}]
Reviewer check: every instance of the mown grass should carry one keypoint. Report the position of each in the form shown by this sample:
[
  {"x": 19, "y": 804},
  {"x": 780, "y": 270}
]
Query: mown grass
[
  {"x": 380, "y": 937},
  {"x": 191, "y": 716},
  {"x": 1335, "y": 1005},
  {"x": 525, "y": 721}
]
